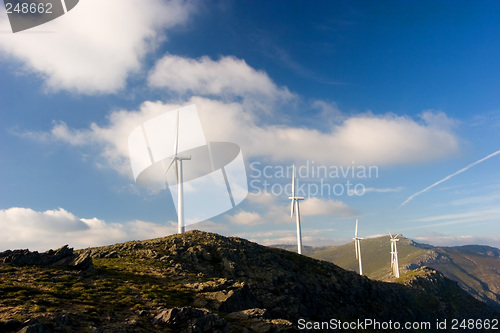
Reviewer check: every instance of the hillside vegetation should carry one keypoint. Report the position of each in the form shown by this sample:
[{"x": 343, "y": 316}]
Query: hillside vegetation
[{"x": 203, "y": 282}]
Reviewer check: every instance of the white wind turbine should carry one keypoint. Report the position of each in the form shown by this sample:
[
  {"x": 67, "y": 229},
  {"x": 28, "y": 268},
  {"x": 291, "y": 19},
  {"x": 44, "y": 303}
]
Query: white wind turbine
[
  {"x": 295, "y": 208},
  {"x": 177, "y": 160},
  {"x": 357, "y": 247},
  {"x": 394, "y": 255}
]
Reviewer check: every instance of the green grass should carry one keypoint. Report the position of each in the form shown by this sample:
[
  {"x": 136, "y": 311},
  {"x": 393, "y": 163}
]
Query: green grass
[{"x": 121, "y": 285}]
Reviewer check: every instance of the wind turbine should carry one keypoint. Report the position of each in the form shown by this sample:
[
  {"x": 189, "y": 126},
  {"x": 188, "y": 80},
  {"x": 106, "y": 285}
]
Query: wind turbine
[
  {"x": 295, "y": 208},
  {"x": 177, "y": 161},
  {"x": 394, "y": 255},
  {"x": 357, "y": 247}
]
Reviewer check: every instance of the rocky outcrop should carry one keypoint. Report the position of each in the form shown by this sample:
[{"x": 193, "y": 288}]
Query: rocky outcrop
[
  {"x": 235, "y": 275},
  {"x": 63, "y": 257},
  {"x": 188, "y": 319}
]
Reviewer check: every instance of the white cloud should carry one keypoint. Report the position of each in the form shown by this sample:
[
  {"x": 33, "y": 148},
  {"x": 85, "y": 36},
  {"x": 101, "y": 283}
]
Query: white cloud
[
  {"x": 366, "y": 139},
  {"x": 226, "y": 77},
  {"x": 438, "y": 119},
  {"x": 390, "y": 139},
  {"x": 317, "y": 206},
  {"x": 275, "y": 237},
  {"x": 272, "y": 212},
  {"x": 246, "y": 218},
  {"x": 27, "y": 228},
  {"x": 329, "y": 111},
  {"x": 94, "y": 47}
]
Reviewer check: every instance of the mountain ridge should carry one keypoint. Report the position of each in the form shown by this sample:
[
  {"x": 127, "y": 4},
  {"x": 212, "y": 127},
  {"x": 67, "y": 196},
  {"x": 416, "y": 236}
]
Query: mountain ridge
[
  {"x": 476, "y": 268},
  {"x": 201, "y": 281}
]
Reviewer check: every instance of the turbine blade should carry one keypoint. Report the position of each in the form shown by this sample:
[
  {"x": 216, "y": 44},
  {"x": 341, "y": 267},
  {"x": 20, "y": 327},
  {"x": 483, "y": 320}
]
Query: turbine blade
[
  {"x": 356, "y": 232},
  {"x": 172, "y": 162},
  {"x": 390, "y": 233},
  {"x": 293, "y": 181},
  {"x": 356, "y": 247},
  {"x": 176, "y": 142},
  {"x": 292, "y": 208}
]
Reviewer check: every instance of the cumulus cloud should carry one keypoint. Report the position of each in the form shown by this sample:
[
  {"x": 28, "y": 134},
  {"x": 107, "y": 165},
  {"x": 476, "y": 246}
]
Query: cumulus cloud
[
  {"x": 27, "y": 228},
  {"x": 276, "y": 213},
  {"x": 246, "y": 218},
  {"x": 365, "y": 139},
  {"x": 319, "y": 206},
  {"x": 226, "y": 77},
  {"x": 94, "y": 47}
]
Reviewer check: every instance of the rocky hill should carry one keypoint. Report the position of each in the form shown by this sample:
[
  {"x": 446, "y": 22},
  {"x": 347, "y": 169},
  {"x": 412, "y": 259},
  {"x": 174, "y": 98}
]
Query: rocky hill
[
  {"x": 203, "y": 282},
  {"x": 476, "y": 268}
]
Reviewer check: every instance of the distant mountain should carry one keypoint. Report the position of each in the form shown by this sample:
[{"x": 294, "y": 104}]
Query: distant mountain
[
  {"x": 476, "y": 268},
  {"x": 203, "y": 282}
]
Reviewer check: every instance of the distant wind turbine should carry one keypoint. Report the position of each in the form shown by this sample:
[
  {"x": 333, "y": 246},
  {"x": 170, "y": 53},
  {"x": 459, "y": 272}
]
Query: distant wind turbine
[
  {"x": 295, "y": 208},
  {"x": 177, "y": 162},
  {"x": 357, "y": 247},
  {"x": 394, "y": 255}
]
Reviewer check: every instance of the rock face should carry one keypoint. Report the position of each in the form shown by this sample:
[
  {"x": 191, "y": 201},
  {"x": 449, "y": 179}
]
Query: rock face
[
  {"x": 63, "y": 257},
  {"x": 188, "y": 319}
]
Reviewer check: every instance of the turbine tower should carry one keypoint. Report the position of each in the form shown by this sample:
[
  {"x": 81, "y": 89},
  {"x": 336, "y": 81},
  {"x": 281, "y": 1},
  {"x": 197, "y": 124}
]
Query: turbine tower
[
  {"x": 295, "y": 208},
  {"x": 177, "y": 162},
  {"x": 394, "y": 255},
  {"x": 357, "y": 247}
]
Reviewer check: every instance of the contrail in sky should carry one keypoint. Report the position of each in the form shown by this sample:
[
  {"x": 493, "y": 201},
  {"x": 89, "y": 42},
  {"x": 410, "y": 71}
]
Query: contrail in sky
[{"x": 448, "y": 177}]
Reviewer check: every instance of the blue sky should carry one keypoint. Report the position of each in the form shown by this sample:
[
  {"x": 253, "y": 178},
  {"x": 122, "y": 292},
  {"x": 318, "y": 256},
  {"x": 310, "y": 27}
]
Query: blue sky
[{"x": 409, "y": 88}]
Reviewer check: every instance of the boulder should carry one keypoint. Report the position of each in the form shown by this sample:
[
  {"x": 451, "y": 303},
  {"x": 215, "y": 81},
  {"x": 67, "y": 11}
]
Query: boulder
[{"x": 188, "y": 319}]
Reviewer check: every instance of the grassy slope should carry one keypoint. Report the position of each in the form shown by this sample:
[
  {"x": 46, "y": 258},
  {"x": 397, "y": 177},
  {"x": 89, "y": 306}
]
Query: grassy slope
[
  {"x": 375, "y": 253},
  {"x": 120, "y": 287}
]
